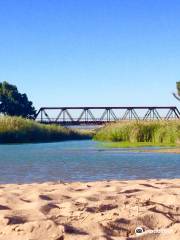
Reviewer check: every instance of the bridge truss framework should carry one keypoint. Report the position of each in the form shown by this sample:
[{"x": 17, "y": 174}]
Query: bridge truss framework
[{"x": 102, "y": 115}]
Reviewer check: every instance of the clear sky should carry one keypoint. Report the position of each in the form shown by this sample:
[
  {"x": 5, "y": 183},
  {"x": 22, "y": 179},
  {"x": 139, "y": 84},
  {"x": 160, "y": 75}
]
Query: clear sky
[{"x": 91, "y": 52}]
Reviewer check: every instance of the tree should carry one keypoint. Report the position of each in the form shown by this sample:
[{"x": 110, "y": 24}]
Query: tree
[
  {"x": 14, "y": 103},
  {"x": 178, "y": 88},
  {"x": 177, "y": 96}
]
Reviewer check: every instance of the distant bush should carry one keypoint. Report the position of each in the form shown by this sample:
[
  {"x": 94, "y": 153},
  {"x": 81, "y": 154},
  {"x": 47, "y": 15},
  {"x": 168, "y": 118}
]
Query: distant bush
[
  {"x": 158, "y": 132},
  {"x": 20, "y": 130}
]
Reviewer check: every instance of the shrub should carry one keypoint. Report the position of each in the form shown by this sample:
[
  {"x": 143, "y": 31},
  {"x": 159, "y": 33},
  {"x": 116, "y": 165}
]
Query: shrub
[
  {"x": 158, "y": 132},
  {"x": 20, "y": 130}
]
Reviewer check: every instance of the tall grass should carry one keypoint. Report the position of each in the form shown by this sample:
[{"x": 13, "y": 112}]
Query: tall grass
[
  {"x": 20, "y": 130},
  {"x": 154, "y": 133}
]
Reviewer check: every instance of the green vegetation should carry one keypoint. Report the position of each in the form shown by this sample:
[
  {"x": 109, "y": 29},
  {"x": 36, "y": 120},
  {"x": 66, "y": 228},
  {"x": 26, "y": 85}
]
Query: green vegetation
[
  {"x": 177, "y": 96},
  {"x": 178, "y": 88},
  {"x": 13, "y": 103},
  {"x": 20, "y": 130},
  {"x": 137, "y": 134}
]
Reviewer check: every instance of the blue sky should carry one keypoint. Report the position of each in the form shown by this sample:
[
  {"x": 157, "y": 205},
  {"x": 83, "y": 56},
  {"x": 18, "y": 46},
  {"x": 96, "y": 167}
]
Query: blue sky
[{"x": 91, "y": 52}]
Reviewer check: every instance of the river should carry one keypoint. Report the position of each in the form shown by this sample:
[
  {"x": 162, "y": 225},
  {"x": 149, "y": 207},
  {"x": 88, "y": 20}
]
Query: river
[{"x": 81, "y": 161}]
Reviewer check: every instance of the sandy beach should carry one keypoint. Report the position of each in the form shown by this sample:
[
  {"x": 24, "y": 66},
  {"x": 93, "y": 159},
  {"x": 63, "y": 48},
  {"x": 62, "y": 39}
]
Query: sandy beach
[
  {"x": 164, "y": 150},
  {"x": 170, "y": 150},
  {"x": 92, "y": 210}
]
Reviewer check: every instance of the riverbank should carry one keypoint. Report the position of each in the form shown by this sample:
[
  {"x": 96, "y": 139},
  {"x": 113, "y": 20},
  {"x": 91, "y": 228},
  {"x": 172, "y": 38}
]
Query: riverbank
[
  {"x": 20, "y": 130},
  {"x": 165, "y": 150},
  {"x": 140, "y": 134},
  {"x": 91, "y": 211}
]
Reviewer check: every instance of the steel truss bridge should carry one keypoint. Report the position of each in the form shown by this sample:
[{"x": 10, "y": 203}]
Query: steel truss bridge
[{"x": 101, "y": 115}]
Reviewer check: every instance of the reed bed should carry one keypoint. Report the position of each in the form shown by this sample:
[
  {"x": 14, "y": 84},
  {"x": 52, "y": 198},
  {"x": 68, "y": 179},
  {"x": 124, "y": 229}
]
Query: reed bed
[
  {"x": 20, "y": 130},
  {"x": 135, "y": 133}
]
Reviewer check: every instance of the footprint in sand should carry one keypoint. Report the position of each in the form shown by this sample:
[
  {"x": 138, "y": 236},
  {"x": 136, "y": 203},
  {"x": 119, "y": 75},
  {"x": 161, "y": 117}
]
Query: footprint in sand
[
  {"x": 101, "y": 208},
  {"x": 15, "y": 220},
  {"x": 45, "y": 197},
  {"x": 73, "y": 230},
  {"x": 3, "y": 207},
  {"x": 130, "y": 191},
  {"x": 148, "y": 185},
  {"x": 48, "y": 207}
]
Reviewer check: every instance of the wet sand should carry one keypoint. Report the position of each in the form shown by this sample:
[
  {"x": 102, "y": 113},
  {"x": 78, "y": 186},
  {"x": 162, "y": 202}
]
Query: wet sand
[
  {"x": 165, "y": 150},
  {"x": 92, "y": 210}
]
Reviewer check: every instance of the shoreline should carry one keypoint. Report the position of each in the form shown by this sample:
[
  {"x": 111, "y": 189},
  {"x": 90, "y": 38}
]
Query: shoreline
[
  {"x": 96, "y": 210},
  {"x": 162, "y": 150},
  {"x": 173, "y": 151}
]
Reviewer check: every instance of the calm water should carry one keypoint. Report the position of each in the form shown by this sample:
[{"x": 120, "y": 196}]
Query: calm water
[{"x": 81, "y": 161}]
